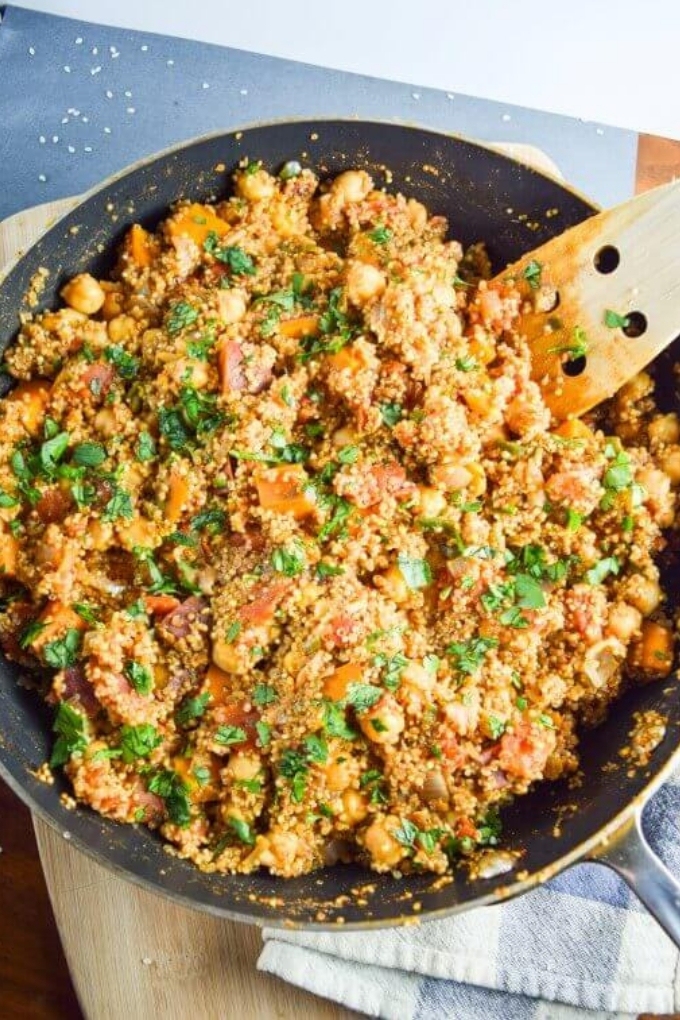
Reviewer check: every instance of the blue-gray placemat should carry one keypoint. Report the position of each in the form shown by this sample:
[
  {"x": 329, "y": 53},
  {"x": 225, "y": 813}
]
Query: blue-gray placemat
[{"x": 79, "y": 101}]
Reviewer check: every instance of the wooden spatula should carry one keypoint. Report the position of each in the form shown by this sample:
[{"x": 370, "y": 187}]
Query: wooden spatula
[{"x": 615, "y": 282}]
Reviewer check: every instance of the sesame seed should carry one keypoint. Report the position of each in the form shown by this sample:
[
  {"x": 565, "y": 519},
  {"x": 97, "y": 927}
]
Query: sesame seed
[
  {"x": 55, "y": 138},
  {"x": 114, "y": 55},
  {"x": 415, "y": 95},
  {"x": 205, "y": 85},
  {"x": 130, "y": 109},
  {"x": 144, "y": 48},
  {"x": 88, "y": 148},
  {"x": 71, "y": 149},
  {"x": 109, "y": 94},
  {"x": 128, "y": 94},
  {"x": 64, "y": 120},
  {"x": 506, "y": 116},
  {"x": 79, "y": 41},
  {"x": 31, "y": 51},
  {"x": 450, "y": 95},
  {"x": 170, "y": 63},
  {"x": 244, "y": 92},
  {"x": 95, "y": 70},
  {"x": 41, "y": 177},
  {"x": 107, "y": 130},
  {"x": 112, "y": 49},
  {"x": 95, "y": 51},
  {"x": 42, "y": 139},
  {"x": 599, "y": 131},
  {"x": 67, "y": 69},
  {"x": 85, "y": 120}
]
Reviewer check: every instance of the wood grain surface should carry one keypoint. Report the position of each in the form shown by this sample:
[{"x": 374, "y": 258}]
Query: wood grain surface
[{"x": 132, "y": 955}]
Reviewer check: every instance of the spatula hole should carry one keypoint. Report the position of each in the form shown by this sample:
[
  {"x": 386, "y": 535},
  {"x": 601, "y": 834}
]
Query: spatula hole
[
  {"x": 575, "y": 366},
  {"x": 636, "y": 325},
  {"x": 607, "y": 259}
]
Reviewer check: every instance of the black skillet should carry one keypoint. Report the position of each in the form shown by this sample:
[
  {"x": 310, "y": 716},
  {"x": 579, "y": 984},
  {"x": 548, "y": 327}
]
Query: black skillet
[{"x": 485, "y": 196}]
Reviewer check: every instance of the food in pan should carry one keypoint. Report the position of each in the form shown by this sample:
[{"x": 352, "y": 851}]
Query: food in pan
[{"x": 286, "y": 524}]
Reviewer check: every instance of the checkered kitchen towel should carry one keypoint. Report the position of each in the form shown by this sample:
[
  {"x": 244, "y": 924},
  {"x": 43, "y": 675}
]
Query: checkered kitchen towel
[{"x": 582, "y": 945}]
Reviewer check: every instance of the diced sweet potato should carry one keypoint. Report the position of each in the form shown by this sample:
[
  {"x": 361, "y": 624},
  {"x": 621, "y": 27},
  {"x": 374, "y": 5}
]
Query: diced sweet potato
[
  {"x": 653, "y": 653},
  {"x": 335, "y": 686},
  {"x": 178, "y": 494},
  {"x": 197, "y": 221},
  {"x": 33, "y": 396},
  {"x": 303, "y": 325},
  {"x": 285, "y": 490},
  {"x": 139, "y": 245}
]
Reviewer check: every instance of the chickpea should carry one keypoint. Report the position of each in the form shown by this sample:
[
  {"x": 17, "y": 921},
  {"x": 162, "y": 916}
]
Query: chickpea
[
  {"x": 644, "y": 593},
  {"x": 417, "y": 676},
  {"x": 339, "y": 775},
  {"x": 257, "y": 187},
  {"x": 383, "y": 722},
  {"x": 105, "y": 422},
  {"x": 189, "y": 370},
  {"x": 635, "y": 389},
  {"x": 431, "y": 502},
  {"x": 120, "y": 328},
  {"x": 364, "y": 283},
  {"x": 244, "y": 765},
  {"x": 113, "y": 303},
  {"x": 657, "y": 485},
  {"x": 84, "y": 294},
  {"x": 417, "y": 214},
  {"x": 664, "y": 429},
  {"x": 670, "y": 464},
  {"x": 393, "y": 585},
  {"x": 231, "y": 305},
  {"x": 139, "y": 532},
  {"x": 351, "y": 186},
  {"x": 276, "y": 850},
  {"x": 354, "y": 807},
  {"x": 225, "y": 656},
  {"x": 385, "y": 850},
  {"x": 624, "y": 621},
  {"x": 450, "y": 475},
  {"x": 344, "y": 436},
  {"x": 477, "y": 483}
]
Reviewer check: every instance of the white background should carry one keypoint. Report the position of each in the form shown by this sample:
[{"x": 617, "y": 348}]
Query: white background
[{"x": 616, "y": 62}]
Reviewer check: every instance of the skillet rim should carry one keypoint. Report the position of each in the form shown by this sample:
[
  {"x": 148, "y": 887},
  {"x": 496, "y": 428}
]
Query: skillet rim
[{"x": 588, "y": 847}]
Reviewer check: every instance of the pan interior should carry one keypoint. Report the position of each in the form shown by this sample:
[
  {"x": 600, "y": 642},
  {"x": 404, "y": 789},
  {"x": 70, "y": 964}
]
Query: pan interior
[{"x": 485, "y": 196}]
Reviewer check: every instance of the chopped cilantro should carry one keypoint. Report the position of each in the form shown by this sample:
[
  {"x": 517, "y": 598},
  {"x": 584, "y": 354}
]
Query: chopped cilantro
[
  {"x": 466, "y": 364},
  {"x": 468, "y": 655},
  {"x": 192, "y": 708},
  {"x": 532, "y": 273},
  {"x": 119, "y": 505},
  {"x": 172, "y": 789},
  {"x": 417, "y": 573},
  {"x": 380, "y": 235},
  {"x": 138, "y": 741},
  {"x": 238, "y": 261},
  {"x": 602, "y": 569},
  {"x": 335, "y": 723},
  {"x": 228, "y": 735},
  {"x": 363, "y": 696},
  {"x": 62, "y": 653},
  {"x": 391, "y": 413},
  {"x": 263, "y": 733},
  {"x": 139, "y": 676},
  {"x": 263, "y": 694},
  {"x": 89, "y": 455},
  {"x": 69, "y": 726},
  {"x": 615, "y": 321},
  {"x": 289, "y": 562},
  {"x": 125, "y": 364},
  {"x": 182, "y": 315}
]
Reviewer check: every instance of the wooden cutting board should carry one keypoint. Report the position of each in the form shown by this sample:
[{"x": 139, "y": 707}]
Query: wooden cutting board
[{"x": 131, "y": 954}]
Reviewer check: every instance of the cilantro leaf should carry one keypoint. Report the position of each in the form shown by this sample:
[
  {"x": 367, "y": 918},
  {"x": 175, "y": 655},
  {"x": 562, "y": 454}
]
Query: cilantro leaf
[
  {"x": 416, "y": 572},
  {"x": 69, "y": 726},
  {"x": 62, "y": 653}
]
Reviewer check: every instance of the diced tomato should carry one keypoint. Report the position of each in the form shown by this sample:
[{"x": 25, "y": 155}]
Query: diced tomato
[
  {"x": 341, "y": 629},
  {"x": 54, "y": 504},
  {"x": 260, "y": 610},
  {"x": 451, "y": 750},
  {"x": 524, "y": 752},
  {"x": 159, "y": 605},
  {"x": 235, "y": 714},
  {"x": 465, "y": 827},
  {"x": 97, "y": 379}
]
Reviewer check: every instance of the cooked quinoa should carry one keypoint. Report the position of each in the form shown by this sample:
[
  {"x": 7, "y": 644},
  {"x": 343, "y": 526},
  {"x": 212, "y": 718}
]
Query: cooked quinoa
[{"x": 312, "y": 573}]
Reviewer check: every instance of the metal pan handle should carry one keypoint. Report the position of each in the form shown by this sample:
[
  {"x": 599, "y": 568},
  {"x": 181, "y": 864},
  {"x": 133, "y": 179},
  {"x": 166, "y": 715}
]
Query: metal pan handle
[{"x": 628, "y": 853}]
